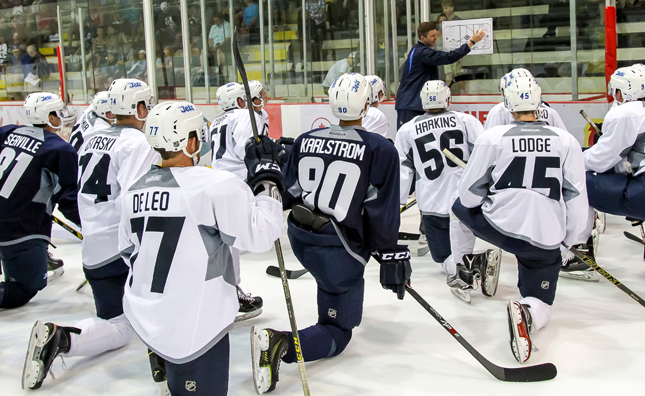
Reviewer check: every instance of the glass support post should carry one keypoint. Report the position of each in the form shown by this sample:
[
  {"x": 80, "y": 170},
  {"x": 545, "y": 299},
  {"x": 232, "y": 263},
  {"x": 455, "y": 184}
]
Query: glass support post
[
  {"x": 271, "y": 53},
  {"x": 263, "y": 68},
  {"x": 573, "y": 30},
  {"x": 408, "y": 17},
  {"x": 81, "y": 34},
  {"x": 61, "y": 49},
  {"x": 361, "y": 33},
  {"x": 149, "y": 29},
  {"x": 207, "y": 85},
  {"x": 395, "y": 48},
  {"x": 185, "y": 42}
]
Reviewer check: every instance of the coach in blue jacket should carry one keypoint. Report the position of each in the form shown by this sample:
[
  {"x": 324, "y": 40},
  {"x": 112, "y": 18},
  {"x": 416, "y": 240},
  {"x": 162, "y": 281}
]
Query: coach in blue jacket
[{"x": 421, "y": 66}]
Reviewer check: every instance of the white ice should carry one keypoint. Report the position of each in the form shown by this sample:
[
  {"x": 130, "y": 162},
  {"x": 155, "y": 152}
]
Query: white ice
[{"x": 595, "y": 337}]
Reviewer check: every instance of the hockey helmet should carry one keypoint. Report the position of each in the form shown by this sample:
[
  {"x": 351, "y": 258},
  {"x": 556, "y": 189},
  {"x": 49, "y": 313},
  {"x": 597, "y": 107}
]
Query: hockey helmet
[
  {"x": 377, "y": 87},
  {"x": 522, "y": 94},
  {"x": 125, "y": 94},
  {"x": 169, "y": 125},
  {"x": 435, "y": 95},
  {"x": 348, "y": 96},
  {"x": 101, "y": 104},
  {"x": 228, "y": 94},
  {"x": 39, "y": 105},
  {"x": 630, "y": 81}
]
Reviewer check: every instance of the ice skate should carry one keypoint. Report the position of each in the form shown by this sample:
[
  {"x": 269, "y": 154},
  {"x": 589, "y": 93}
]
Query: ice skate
[
  {"x": 461, "y": 284},
  {"x": 250, "y": 306},
  {"x": 267, "y": 349},
  {"x": 54, "y": 267},
  {"x": 486, "y": 267},
  {"x": 574, "y": 268},
  {"x": 47, "y": 341},
  {"x": 519, "y": 328}
]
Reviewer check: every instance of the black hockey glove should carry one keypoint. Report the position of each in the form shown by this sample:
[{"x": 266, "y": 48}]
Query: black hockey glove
[
  {"x": 262, "y": 160},
  {"x": 285, "y": 140},
  {"x": 395, "y": 269}
]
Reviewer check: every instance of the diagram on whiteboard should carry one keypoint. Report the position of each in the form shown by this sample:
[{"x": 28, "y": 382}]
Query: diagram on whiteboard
[{"x": 458, "y": 32}]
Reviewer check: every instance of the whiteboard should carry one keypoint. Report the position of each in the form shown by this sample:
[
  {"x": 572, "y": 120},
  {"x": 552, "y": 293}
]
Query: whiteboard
[{"x": 456, "y": 33}]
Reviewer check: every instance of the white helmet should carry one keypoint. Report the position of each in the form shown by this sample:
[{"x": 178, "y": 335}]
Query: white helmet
[
  {"x": 256, "y": 88},
  {"x": 101, "y": 105},
  {"x": 630, "y": 81},
  {"x": 435, "y": 95},
  {"x": 348, "y": 96},
  {"x": 522, "y": 94},
  {"x": 125, "y": 93},
  {"x": 37, "y": 107},
  {"x": 377, "y": 87},
  {"x": 515, "y": 73},
  {"x": 169, "y": 124},
  {"x": 227, "y": 95}
]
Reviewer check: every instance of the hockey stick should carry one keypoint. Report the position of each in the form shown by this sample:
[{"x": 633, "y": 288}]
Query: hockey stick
[
  {"x": 408, "y": 205},
  {"x": 540, "y": 372},
  {"x": 591, "y": 123},
  {"x": 407, "y": 236},
  {"x": 633, "y": 237},
  {"x": 278, "y": 247},
  {"x": 576, "y": 252},
  {"x": 461, "y": 77},
  {"x": 67, "y": 227},
  {"x": 77, "y": 235},
  {"x": 295, "y": 274}
]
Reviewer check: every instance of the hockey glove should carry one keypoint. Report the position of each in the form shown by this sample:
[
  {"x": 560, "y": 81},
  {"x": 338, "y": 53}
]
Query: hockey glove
[
  {"x": 395, "y": 269},
  {"x": 263, "y": 164}
]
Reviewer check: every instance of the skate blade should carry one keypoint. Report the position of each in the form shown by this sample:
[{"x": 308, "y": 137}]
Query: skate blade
[
  {"x": 515, "y": 318},
  {"x": 491, "y": 278},
  {"x": 585, "y": 276},
  {"x": 52, "y": 275},
  {"x": 33, "y": 368},
  {"x": 463, "y": 295},
  {"x": 259, "y": 342},
  {"x": 248, "y": 315}
]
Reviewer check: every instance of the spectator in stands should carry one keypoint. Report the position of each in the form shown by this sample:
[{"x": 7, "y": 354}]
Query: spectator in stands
[
  {"x": 168, "y": 25},
  {"x": 100, "y": 42},
  {"x": 219, "y": 40},
  {"x": 165, "y": 67},
  {"x": 132, "y": 14},
  {"x": 35, "y": 63},
  {"x": 421, "y": 66},
  {"x": 280, "y": 8},
  {"x": 250, "y": 22},
  {"x": 138, "y": 69},
  {"x": 558, "y": 16},
  {"x": 449, "y": 10},
  {"x": 316, "y": 9},
  {"x": 295, "y": 48},
  {"x": 338, "y": 69},
  {"x": 115, "y": 38},
  {"x": 18, "y": 28}
]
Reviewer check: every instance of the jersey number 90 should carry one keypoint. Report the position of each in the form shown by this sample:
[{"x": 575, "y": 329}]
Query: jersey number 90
[{"x": 334, "y": 186}]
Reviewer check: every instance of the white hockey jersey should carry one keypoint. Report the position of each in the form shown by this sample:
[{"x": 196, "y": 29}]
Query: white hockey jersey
[
  {"x": 176, "y": 228},
  {"x": 88, "y": 123},
  {"x": 109, "y": 161},
  {"x": 376, "y": 122},
  {"x": 623, "y": 140},
  {"x": 228, "y": 135},
  {"x": 500, "y": 115},
  {"x": 420, "y": 143},
  {"x": 529, "y": 179}
]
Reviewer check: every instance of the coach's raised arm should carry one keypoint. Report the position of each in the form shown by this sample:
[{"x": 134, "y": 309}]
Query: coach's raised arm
[{"x": 421, "y": 66}]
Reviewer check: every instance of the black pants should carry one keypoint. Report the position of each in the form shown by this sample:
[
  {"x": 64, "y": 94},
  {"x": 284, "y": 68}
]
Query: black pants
[{"x": 403, "y": 116}]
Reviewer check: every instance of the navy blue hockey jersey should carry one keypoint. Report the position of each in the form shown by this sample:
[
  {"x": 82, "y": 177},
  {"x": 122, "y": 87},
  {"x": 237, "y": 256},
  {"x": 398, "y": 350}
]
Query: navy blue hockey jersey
[
  {"x": 38, "y": 169},
  {"x": 353, "y": 176}
]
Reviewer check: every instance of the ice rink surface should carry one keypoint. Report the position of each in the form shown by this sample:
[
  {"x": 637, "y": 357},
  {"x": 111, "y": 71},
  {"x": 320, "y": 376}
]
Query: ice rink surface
[{"x": 595, "y": 337}]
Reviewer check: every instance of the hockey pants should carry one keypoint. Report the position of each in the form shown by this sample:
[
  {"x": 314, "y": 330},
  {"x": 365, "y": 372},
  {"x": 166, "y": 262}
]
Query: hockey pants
[
  {"x": 538, "y": 268},
  {"x": 340, "y": 282},
  {"x": 25, "y": 272},
  {"x": 617, "y": 194}
]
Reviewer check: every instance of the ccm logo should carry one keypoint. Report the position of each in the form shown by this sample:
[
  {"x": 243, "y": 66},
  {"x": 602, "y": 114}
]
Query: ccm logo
[
  {"x": 396, "y": 256},
  {"x": 266, "y": 167}
]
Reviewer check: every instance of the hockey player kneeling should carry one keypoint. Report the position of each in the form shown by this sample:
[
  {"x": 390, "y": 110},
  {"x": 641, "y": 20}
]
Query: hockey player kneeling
[
  {"x": 343, "y": 188},
  {"x": 524, "y": 191},
  {"x": 177, "y": 223},
  {"x": 420, "y": 143}
]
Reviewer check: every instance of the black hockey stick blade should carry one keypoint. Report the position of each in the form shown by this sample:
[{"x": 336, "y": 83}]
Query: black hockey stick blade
[
  {"x": 461, "y": 77},
  {"x": 406, "y": 236},
  {"x": 540, "y": 372},
  {"x": 245, "y": 82},
  {"x": 633, "y": 237},
  {"x": 82, "y": 285},
  {"x": 275, "y": 271},
  {"x": 587, "y": 260}
]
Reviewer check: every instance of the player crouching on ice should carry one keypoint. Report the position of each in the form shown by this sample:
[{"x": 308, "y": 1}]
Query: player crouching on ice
[
  {"x": 524, "y": 191},
  {"x": 178, "y": 222},
  {"x": 616, "y": 164},
  {"x": 420, "y": 143},
  {"x": 343, "y": 188}
]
